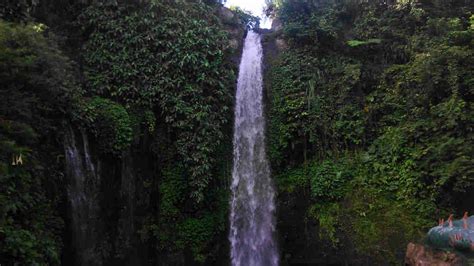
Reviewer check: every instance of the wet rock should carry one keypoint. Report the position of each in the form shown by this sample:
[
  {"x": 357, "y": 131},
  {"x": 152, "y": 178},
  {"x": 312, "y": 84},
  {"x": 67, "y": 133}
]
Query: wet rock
[
  {"x": 263, "y": 31},
  {"x": 234, "y": 44},
  {"x": 419, "y": 255},
  {"x": 281, "y": 44},
  {"x": 277, "y": 25},
  {"x": 226, "y": 15}
]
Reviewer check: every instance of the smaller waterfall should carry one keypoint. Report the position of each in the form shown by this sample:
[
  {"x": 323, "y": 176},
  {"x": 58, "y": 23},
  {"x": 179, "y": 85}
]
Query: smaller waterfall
[
  {"x": 82, "y": 193},
  {"x": 252, "y": 209}
]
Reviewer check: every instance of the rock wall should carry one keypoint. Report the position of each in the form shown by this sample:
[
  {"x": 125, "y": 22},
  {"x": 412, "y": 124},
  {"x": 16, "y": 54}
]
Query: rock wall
[{"x": 105, "y": 195}]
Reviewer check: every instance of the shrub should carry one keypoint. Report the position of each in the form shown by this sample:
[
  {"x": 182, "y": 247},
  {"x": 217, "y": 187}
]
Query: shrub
[{"x": 110, "y": 124}]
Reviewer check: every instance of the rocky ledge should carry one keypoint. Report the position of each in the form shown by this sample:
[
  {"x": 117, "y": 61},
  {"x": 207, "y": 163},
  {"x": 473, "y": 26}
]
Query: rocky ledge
[{"x": 420, "y": 255}]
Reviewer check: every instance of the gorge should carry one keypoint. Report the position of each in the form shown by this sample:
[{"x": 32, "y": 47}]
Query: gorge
[{"x": 159, "y": 132}]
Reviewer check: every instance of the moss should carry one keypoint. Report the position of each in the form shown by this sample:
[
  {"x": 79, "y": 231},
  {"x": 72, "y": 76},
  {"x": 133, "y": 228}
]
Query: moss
[
  {"x": 179, "y": 68},
  {"x": 355, "y": 43},
  {"x": 197, "y": 234},
  {"x": 368, "y": 109},
  {"x": 353, "y": 211},
  {"x": 110, "y": 123}
]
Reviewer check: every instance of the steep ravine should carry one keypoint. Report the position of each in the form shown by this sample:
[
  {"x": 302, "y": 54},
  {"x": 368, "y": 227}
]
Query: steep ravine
[{"x": 126, "y": 140}]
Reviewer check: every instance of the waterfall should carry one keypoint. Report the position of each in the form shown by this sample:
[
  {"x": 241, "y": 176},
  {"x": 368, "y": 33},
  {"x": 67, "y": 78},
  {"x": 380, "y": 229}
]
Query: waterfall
[
  {"x": 82, "y": 193},
  {"x": 252, "y": 213}
]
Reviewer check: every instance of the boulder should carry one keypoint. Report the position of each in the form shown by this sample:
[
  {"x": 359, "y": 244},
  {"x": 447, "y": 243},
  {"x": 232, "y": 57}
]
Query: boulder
[
  {"x": 420, "y": 255},
  {"x": 226, "y": 15},
  {"x": 277, "y": 25}
]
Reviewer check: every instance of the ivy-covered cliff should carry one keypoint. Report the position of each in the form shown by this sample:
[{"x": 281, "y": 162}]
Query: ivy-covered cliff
[
  {"x": 116, "y": 128},
  {"x": 115, "y": 131},
  {"x": 370, "y": 124}
]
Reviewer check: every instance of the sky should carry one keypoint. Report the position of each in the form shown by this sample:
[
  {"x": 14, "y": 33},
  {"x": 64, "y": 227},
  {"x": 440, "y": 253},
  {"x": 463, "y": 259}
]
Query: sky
[{"x": 254, "y": 6}]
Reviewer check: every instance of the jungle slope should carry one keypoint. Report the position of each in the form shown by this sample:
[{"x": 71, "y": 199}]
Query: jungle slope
[{"x": 370, "y": 125}]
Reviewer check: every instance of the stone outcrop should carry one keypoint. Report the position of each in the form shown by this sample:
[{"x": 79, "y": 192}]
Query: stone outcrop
[
  {"x": 226, "y": 15},
  {"x": 420, "y": 255},
  {"x": 277, "y": 25},
  {"x": 236, "y": 32}
]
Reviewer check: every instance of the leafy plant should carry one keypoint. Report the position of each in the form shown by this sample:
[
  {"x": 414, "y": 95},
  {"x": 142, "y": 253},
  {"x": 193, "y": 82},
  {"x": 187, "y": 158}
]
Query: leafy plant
[
  {"x": 377, "y": 124},
  {"x": 110, "y": 124},
  {"x": 177, "y": 67},
  {"x": 37, "y": 87},
  {"x": 328, "y": 180}
]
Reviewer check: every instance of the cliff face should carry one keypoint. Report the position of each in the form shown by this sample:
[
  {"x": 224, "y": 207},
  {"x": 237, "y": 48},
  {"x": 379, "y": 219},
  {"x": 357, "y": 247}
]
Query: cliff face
[
  {"x": 130, "y": 187},
  {"x": 106, "y": 200},
  {"x": 342, "y": 141},
  {"x": 112, "y": 173},
  {"x": 236, "y": 31},
  {"x": 299, "y": 240}
]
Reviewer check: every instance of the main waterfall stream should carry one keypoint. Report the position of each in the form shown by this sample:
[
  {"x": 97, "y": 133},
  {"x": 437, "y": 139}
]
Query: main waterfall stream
[{"x": 252, "y": 214}]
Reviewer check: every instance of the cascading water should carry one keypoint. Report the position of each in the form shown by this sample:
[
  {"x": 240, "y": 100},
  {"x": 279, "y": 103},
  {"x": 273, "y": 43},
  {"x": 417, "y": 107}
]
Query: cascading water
[
  {"x": 82, "y": 192},
  {"x": 252, "y": 214}
]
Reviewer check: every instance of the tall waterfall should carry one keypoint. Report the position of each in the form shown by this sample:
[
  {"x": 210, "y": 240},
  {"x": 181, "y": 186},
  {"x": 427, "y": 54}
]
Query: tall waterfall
[{"x": 252, "y": 214}]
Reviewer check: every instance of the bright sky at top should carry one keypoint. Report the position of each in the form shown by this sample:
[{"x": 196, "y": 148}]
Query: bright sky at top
[{"x": 254, "y": 6}]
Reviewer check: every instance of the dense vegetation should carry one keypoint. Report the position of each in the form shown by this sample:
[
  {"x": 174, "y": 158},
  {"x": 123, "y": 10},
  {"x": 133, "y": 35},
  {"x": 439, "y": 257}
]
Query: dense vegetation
[
  {"x": 371, "y": 114},
  {"x": 151, "y": 79},
  {"x": 36, "y": 87},
  {"x": 174, "y": 66},
  {"x": 370, "y": 126}
]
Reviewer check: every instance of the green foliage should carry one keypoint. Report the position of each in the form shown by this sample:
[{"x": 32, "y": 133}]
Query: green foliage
[
  {"x": 354, "y": 208},
  {"x": 146, "y": 57},
  {"x": 305, "y": 94},
  {"x": 328, "y": 179},
  {"x": 110, "y": 124},
  {"x": 197, "y": 233},
  {"x": 172, "y": 191},
  {"x": 355, "y": 43},
  {"x": 428, "y": 102},
  {"x": 164, "y": 66},
  {"x": 156, "y": 72},
  {"x": 150, "y": 120},
  {"x": 35, "y": 71},
  {"x": 177, "y": 229},
  {"x": 378, "y": 124},
  {"x": 380, "y": 227},
  {"x": 16, "y": 10},
  {"x": 327, "y": 215},
  {"x": 313, "y": 22},
  {"x": 27, "y": 224},
  {"x": 293, "y": 179},
  {"x": 36, "y": 89}
]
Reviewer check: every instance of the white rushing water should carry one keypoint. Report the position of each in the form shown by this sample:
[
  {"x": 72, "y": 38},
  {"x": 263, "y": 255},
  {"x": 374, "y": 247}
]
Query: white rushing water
[
  {"x": 82, "y": 191},
  {"x": 252, "y": 214}
]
